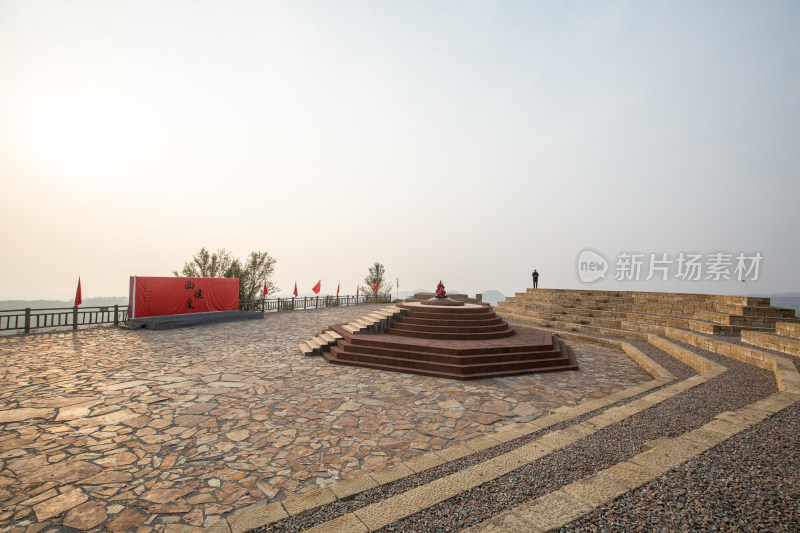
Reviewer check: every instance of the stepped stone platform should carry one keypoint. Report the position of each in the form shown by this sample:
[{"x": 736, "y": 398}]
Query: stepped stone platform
[
  {"x": 580, "y": 310},
  {"x": 459, "y": 342}
]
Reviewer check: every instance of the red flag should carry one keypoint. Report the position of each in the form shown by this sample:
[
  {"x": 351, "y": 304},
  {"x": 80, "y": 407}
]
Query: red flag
[
  {"x": 317, "y": 287},
  {"x": 266, "y": 291},
  {"x": 337, "y": 288},
  {"x": 295, "y": 289},
  {"x": 78, "y": 300},
  {"x": 375, "y": 287},
  {"x": 356, "y": 291}
]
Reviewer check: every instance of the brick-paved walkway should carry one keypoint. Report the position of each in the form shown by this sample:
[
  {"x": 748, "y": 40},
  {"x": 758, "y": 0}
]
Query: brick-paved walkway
[{"x": 155, "y": 430}]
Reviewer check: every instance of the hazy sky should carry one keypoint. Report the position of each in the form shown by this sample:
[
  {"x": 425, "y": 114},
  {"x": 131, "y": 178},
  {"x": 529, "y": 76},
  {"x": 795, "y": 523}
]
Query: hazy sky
[{"x": 464, "y": 141}]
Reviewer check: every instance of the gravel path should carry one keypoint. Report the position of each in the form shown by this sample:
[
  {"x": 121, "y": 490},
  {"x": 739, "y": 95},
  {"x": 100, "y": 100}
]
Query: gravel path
[
  {"x": 741, "y": 385},
  {"x": 751, "y": 482},
  {"x": 678, "y": 369}
]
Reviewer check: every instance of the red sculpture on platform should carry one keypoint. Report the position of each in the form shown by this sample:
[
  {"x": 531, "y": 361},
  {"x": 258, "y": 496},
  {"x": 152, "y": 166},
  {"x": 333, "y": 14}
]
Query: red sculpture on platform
[
  {"x": 441, "y": 297},
  {"x": 440, "y": 292}
]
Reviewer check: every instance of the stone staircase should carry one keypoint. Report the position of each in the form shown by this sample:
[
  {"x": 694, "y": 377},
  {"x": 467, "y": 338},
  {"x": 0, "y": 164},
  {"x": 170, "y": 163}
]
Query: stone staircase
[
  {"x": 373, "y": 323},
  {"x": 451, "y": 323},
  {"x": 583, "y": 310}
]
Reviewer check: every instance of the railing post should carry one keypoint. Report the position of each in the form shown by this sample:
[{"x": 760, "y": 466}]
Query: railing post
[
  {"x": 116, "y": 315},
  {"x": 317, "y": 303},
  {"x": 279, "y": 304},
  {"x": 27, "y": 320},
  {"x": 75, "y": 317}
]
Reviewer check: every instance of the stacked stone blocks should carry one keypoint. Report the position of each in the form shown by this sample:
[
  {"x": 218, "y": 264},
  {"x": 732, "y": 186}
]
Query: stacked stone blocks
[
  {"x": 786, "y": 338},
  {"x": 637, "y": 311}
]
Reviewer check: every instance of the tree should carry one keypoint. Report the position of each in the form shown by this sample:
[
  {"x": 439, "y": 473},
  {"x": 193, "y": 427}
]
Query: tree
[
  {"x": 205, "y": 265},
  {"x": 377, "y": 274},
  {"x": 258, "y": 268}
]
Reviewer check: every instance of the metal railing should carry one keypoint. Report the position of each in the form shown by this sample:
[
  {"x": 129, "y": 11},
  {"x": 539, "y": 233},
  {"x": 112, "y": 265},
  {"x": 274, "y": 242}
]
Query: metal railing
[
  {"x": 311, "y": 302},
  {"x": 28, "y": 320}
]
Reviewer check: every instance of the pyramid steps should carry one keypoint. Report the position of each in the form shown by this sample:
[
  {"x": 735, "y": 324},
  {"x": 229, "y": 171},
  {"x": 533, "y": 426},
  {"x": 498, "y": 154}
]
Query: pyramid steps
[
  {"x": 473, "y": 322},
  {"x": 459, "y": 370},
  {"x": 384, "y": 353},
  {"x": 458, "y": 342}
]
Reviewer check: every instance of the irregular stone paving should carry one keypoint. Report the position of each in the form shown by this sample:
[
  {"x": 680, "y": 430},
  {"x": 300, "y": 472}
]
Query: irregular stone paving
[{"x": 110, "y": 429}]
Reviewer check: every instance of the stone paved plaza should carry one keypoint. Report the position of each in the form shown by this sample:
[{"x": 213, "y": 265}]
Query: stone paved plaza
[{"x": 111, "y": 429}]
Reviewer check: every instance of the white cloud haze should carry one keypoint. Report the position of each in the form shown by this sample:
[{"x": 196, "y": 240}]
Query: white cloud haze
[{"x": 464, "y": 141}]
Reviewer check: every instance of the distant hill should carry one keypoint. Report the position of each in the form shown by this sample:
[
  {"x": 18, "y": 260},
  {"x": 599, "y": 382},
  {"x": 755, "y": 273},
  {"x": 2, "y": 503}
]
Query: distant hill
[
  {"x": 492, "y": 296},
  {"x": 47, "y": 304}
]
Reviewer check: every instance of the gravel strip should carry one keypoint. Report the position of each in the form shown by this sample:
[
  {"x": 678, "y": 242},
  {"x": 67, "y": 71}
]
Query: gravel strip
[
  {"x": 318, "y": 515},
  {"x": 680, "y": 370},
  {"x": 739, "y": 386},
  {"x": 751, "y": 482}
]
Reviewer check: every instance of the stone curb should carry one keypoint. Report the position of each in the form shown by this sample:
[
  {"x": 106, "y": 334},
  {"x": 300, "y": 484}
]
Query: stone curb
[
  {"x": 786, "y": 375},
  {"x": 548, "y": 512},
  {"x": 695, "y": 361},
  {"x": 760, "y": 339},
  {"x": 387, "y": 511},
  {"x": 649, "y": 366},
  {"x": 522, "y": 319}
]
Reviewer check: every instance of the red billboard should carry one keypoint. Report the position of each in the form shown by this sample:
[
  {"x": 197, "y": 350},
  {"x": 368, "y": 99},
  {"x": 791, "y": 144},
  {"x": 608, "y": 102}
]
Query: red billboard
[{"x": 151, "y": 296}]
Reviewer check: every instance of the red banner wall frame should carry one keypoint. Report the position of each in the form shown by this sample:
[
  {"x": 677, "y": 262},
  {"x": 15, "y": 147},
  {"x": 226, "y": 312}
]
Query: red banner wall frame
[{"x": 160, "y": 296}]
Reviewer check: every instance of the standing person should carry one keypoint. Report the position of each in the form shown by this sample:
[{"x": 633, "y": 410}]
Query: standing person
[{"x": 535, "y": 279}]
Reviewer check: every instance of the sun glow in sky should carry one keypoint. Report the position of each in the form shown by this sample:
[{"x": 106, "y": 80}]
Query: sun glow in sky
[
  {"x": 76, "y": 135},
  {"x": 464, "y": 141}
]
